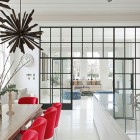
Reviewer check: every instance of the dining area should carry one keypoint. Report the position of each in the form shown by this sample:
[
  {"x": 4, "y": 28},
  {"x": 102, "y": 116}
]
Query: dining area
[{"x": 27, "y": 120}]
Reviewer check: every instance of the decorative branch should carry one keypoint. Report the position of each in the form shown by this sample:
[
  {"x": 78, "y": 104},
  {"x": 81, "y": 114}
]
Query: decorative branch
[
  {"x": 15, "y": 72},
  {"x": 7, "y": 72},
  {"x": 4, "y": 75},
  {"x": 4, "y": 69}
]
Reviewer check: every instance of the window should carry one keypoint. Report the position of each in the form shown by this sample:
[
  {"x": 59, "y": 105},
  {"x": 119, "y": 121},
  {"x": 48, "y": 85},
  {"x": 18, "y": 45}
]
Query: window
[{"x": 93, "y": 66}]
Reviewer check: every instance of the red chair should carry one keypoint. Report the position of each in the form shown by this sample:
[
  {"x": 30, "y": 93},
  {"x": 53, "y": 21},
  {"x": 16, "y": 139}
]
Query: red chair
[
  {"x": 38, "y": 125},
  {"x": 58, "y": 106},
  {"x": 28, "y": 100},
  {"x": 50, "y": 115},
  {"x": 30, "y": 135}
]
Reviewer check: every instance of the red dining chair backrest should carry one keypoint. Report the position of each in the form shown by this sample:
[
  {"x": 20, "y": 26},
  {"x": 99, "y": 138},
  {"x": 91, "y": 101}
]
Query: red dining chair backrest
[
  {"x": 28, "y": 100},
  {"x": 50, "y": 115},
  {"x": 30, "y": 135},
  {"x": 58, "y": 106},
  {"x": 39, "y": 125}
]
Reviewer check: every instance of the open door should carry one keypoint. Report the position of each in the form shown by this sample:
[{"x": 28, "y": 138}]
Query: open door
[{"x": 61, "y": 82}]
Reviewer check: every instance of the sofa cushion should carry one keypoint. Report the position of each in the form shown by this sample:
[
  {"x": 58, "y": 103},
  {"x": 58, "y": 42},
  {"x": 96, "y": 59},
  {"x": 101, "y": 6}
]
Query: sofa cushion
[{"x": 22, "y": 93}]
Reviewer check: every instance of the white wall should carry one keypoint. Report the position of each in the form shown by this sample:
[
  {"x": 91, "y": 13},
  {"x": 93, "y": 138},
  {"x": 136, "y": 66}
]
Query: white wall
[{"x": 21, "y": 79}]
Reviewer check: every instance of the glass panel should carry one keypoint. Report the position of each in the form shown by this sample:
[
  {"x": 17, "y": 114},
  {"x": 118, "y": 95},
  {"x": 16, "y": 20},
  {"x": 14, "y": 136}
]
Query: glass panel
[
  {"x": 98, "y": 47},
  {"x": 46, "y": 49},
  {"x": 108, "y": 35},
  {"x": 66, "y": 34},
  {"x": 119, "y": 104},
  {"x": 98, "y": 35},
  {"x": 87, "y": 34},
  {"x": 45, "y": 80},
  {"x": 130, "y": 34},
  {"x": 66, "y": 66},
  {"x": 119, "y": 35},
  {"x": 119, "y": 66},
  {"x": 137, "y": 81},
  {"x": 55, "y": 80},
  {"x": 45, "y": 37},
  {"x": 66, "y": 81},
  {"x": 45, "y": 65},
  {"x": 66, "y": 96},
  {"x": 77, "y": 49},
  {"x": 45, "y": 96},
  {"x": 119, "y": 50},
  {"x": 56, "y": 66},
  {"x": 129, "y": 49},
  {"x": 129, "y": 106},
  {"x": 138, "y": 50},
  {"x": 56, "y": 95},
  {"x": 119, "y": 79},
  {"x": 137, "y": 34},
  {"x": 55, "y": 49},
  {"x": 128, "y": 80},
  {"x": 128, "y": 66},
  {"x": 87, "y": 47},
  {"x": 77, "y": 34},
  {"x": 137, "y": 65},
  {"x": 66, "y": 50},
  {"x": 55, "y": 34},
  {"x": 108, "y": 47}
]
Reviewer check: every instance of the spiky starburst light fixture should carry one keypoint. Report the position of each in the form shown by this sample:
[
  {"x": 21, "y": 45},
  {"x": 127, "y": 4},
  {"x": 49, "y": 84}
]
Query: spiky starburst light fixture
[
  {"x": 18, "y": 32},
  {"x": 4, "y": 5}
]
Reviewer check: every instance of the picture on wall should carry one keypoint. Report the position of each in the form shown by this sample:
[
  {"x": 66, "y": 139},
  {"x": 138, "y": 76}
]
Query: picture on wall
[{"x": 44, "y": 67}]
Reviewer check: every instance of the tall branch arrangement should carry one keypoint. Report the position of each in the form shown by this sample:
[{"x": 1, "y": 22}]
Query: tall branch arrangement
[{"x": 5, "y": 72}]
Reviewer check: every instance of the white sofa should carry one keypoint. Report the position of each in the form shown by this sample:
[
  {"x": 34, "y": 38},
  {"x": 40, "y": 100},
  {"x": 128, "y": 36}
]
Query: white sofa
[{"x": 87, "y": 85}]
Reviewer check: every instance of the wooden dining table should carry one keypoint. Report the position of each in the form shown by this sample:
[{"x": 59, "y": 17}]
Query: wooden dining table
[{"x": 10, "y": 125}]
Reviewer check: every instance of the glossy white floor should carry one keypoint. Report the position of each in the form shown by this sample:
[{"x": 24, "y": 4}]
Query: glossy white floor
[{"x": 77, "y": 124}]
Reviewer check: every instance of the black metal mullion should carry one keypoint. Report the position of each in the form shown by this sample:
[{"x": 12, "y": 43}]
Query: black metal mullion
[
  {"x": 50, "y": 65},
  {"x": 71, "y": 68},
  {"x": 61, "y": 62},
  {"x": 124, "y": 83},
  {"x": 92, "y": 42},
  {"x": 39, "y": 65},
  {"x": 136, "y": 127},
  {"x": 114, "y": 88},
  {"x": 103, "y": 44},
  {"x": 82, "y": 44}
]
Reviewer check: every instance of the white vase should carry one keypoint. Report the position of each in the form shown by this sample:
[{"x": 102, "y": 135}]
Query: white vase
[{"x": 10, "y": 112}]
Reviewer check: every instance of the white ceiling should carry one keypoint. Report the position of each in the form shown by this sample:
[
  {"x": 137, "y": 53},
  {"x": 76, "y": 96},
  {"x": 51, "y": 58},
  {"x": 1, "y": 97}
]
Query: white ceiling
[{"x": 81, "y": 10}]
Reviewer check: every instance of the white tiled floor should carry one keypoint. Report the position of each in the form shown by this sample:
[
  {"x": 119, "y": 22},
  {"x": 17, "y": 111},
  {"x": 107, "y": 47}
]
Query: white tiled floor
[{"x": 78, "y": 124}]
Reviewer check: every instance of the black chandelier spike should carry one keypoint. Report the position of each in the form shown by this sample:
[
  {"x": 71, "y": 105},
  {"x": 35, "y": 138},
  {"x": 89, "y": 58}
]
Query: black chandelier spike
[
  {"x": 18, "y": 32},
  {"x": 4, "y": 5}
]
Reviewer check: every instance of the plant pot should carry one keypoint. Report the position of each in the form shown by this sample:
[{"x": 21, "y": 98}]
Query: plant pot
[{"x": 10, "y": 112}]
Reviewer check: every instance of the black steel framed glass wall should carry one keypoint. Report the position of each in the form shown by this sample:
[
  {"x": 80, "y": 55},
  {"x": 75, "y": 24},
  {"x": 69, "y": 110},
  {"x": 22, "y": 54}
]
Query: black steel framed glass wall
[{"x": 63, "y": 45}]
